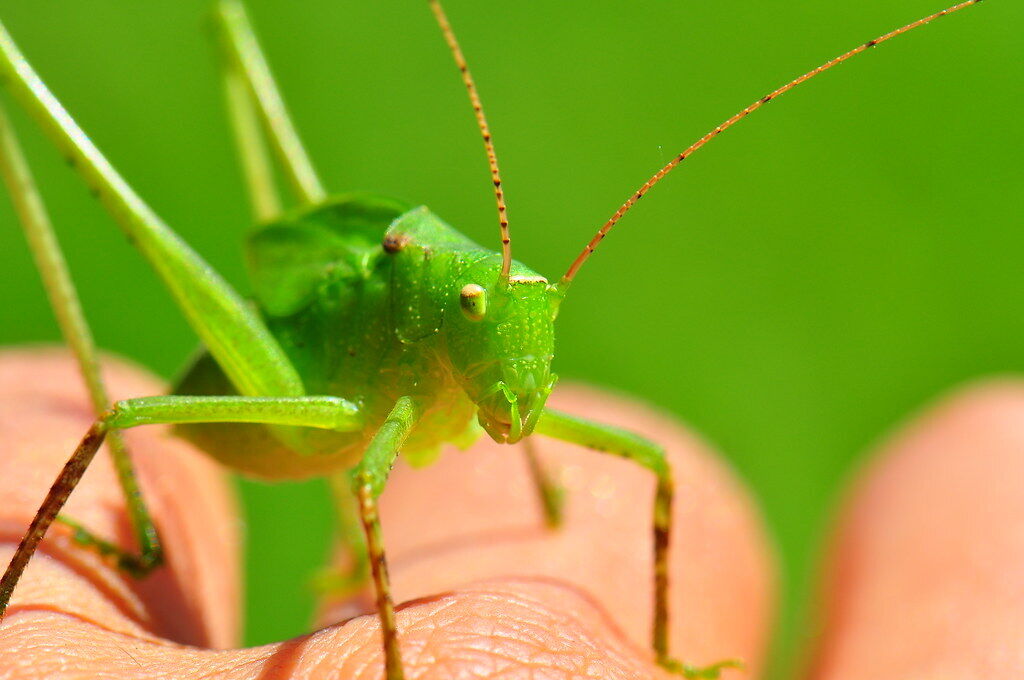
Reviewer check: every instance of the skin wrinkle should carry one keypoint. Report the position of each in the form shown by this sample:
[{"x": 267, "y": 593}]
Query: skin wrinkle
[
  {"x": 32, "y": 379},
  {"x": 59, "y": 552},
  {"x": 521, "y": 626},
  {"x": 524, "y": 611},
  {"x": 529, "y": 606}
]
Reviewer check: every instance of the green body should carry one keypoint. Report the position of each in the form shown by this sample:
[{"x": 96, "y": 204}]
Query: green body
[
  {"x": 362, "y": 295},
  {"x": 373, "y": 328}
]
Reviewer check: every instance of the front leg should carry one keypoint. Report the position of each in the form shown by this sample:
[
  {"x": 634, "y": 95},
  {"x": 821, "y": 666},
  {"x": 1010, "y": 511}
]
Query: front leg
[
  {"x": 368, "y": 480},
  {"x": 625, "y": 444}
]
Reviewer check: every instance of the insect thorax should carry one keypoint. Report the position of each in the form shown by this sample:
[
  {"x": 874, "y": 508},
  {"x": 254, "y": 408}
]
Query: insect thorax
[{"x": 358, "y": 293}]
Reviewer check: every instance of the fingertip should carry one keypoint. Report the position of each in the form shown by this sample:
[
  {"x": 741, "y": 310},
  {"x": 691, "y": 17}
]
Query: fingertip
[
  {"x": 578, "y": 607},
  {"x": 44, "y": 412},
  {"x": 498, "y": 628},
  {"x": 925, "y": 576},
  {"x": 474, "y": 516},
  {"x": 533, "y": 627}
]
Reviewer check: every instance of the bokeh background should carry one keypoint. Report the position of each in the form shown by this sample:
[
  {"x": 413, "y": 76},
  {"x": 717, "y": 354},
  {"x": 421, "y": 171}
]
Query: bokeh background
[{"x": 794, "y": 292}]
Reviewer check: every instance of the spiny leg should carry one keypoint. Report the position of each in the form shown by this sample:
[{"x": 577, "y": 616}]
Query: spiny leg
[
  {"x": 71, "y": 320},
  {"x": 55, "y": 499},
  {"x": 633, "y": 447},
  {"x": 330, "y": 413},
  {"x": 550, "y": 494},
  {"x": 243, "y": 53},
  {"x": 345, "y": 581},
  {"x": 225, "y": 322},
  {"x": 368, "y": 480}
]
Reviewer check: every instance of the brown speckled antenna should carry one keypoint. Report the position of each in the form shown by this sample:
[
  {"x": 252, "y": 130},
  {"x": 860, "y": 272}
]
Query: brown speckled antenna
[
  {"x": 639, "y": 193},
  {"x": 485, "y": 132}
]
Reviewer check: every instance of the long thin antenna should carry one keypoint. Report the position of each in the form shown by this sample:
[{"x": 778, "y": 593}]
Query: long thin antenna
[
  {"x": 485, "y": 132},
  {"x": 639, "y": 193}
]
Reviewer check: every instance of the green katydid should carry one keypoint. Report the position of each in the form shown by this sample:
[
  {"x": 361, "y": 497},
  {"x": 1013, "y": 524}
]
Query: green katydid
[{"x": 377, "y": 328}]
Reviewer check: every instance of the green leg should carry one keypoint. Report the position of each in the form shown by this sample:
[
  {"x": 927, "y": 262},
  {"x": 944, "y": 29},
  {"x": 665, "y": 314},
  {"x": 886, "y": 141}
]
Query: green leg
[
  {"x": 331, "y": 413},
  {"x": 549, "y": 492},
  {"x": 259, "y": 175},
  {"x": 368, "y": 480},
  {"x": 651, "y": 456},
  {"x": 225, "y": 322},
  {"x": 350, "y": 579},
  {"x": 64, "y": 300},
  {"x": 244, "y": 55}
]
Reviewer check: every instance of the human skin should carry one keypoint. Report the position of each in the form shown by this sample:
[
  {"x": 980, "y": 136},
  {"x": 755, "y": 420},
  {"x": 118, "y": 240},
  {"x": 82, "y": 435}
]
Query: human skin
[{"x": 488, "y": 591}]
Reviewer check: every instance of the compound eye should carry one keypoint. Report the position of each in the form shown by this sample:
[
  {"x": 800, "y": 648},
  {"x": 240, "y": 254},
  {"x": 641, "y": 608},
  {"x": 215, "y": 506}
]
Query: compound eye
[{"x": 473, "y": 300}]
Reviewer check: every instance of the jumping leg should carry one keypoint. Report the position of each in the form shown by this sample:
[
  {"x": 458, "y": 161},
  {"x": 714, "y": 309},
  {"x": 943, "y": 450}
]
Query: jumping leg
[
  {"x": 63, "y": 297},
  {"x": 331, "y": 413},
  {"x": 244, "y": 56},
  {"x": 225, "y": 322},
  {"x": 259, "y": 175}
]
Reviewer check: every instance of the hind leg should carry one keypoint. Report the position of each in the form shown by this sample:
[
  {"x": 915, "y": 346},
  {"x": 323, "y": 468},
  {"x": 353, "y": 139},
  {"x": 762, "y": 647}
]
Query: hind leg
[
  {"x": 245, "y": 63},
  {"x": 330, "y": 413},
  {"x": 63, "y": 298}
]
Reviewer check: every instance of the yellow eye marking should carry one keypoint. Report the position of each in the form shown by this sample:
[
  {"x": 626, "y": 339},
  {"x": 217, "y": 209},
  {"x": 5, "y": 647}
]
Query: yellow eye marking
[{"x": 473, "y": 300}]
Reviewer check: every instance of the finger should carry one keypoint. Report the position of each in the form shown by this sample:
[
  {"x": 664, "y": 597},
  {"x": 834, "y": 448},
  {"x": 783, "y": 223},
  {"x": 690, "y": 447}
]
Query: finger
[
  {"x": 75, "y": 617},
  {"x": 44, "y": 412},
  {"x": 508, "y": 629},
  {"x": 507, "y": 626},
  {"x": 475, "y": 515},
  {"x": 928, "y": 571}
]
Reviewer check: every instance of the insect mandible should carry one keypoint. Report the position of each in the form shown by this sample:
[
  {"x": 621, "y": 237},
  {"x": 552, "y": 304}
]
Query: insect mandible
[{"x": 377, "y": 328}]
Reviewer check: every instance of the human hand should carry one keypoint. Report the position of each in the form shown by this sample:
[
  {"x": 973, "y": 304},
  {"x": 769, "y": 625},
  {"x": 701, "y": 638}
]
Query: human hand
[{"x": 495, "y": 594}]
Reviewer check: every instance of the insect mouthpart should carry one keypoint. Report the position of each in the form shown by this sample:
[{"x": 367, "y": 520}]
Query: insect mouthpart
[
  {"x": 509, "y": 415},
  {"x": 504, "y": 427}
]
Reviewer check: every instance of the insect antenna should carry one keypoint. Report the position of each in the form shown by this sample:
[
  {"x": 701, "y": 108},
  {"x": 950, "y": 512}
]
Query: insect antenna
[
  {"x": 485, "y": 132},
  {"x": 668, "y": 167}
]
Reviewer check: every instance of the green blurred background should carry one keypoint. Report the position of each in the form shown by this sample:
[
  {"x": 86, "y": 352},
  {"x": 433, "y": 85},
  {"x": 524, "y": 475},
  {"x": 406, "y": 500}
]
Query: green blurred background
[{"x": 796, "y": 290}]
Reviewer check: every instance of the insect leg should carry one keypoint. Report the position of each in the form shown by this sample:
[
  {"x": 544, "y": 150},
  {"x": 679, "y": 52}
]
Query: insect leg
[
  {"x": 349, "y": 579},
  {"x": 64, "y": 300},
  {"x": 368, "y": 480},
  {"x": 549, "y": 492},
  {"x": 633, "y": 447},
  {"x": 243, "y": 53},
  {"x": 259, "y": 176},
  {"x": 331, "y": 413},
  {"x": 224, "y": 321}
]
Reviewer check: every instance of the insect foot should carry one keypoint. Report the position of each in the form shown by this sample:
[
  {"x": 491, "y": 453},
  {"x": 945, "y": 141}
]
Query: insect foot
[{"x": 712, "y": 672}]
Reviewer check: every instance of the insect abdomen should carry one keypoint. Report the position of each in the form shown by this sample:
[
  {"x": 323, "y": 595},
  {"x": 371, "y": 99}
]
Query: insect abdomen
[{"x": 254, "y": 449}]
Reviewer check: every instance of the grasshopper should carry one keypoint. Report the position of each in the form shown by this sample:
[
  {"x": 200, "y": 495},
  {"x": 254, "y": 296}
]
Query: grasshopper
[{"x": 373, "y": 328}]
